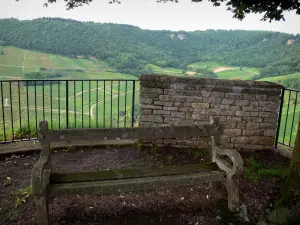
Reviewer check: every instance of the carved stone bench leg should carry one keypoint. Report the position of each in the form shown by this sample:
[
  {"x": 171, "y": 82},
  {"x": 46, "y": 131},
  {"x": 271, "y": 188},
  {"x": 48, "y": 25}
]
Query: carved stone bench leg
[
  {"x": 42, "y": 210},
  {"x": 233, "y": 194}
]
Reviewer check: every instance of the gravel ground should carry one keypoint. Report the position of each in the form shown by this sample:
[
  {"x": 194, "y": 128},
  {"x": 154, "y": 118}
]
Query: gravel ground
[{"x": 184, "y": 205}]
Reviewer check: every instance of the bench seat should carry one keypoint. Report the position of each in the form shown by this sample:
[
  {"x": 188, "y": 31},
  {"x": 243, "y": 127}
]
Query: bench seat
[{"x": 132, "y": 184}]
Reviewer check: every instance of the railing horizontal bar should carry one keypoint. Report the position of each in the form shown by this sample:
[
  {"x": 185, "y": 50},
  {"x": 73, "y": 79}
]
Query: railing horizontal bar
[{"x": 73, "y": 80}]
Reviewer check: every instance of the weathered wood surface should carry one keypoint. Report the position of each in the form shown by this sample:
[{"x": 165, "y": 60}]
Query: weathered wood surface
[
  {"x": 136, "y": 184},
  {"x": 131, "y": 173},
  {"x": 138, "y": 133}
]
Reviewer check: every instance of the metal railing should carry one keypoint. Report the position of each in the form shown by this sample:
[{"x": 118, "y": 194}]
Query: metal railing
[
  {"x": 65, "y": 104},
  {"x": 288, "y": 117}
]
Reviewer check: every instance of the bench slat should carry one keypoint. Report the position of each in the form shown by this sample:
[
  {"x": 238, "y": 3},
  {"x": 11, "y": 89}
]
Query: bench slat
[
  {"x": 136, "y": 133},
  {"x": 131, "y": 185},
  {"x": 130, "y": 173}
]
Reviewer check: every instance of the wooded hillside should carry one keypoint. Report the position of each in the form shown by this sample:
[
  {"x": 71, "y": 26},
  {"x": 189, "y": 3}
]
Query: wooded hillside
[{"x": 129, "y": 49}]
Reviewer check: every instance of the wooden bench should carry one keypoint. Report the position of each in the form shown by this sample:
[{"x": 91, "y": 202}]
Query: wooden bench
[{"x": 46, "y": 185}]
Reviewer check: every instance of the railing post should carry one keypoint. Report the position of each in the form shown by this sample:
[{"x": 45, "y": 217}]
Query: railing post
[
  {"x": 67, "y": 104},
  {"x": 279, "y": 118},
  {"x": 133, "y": 101}
]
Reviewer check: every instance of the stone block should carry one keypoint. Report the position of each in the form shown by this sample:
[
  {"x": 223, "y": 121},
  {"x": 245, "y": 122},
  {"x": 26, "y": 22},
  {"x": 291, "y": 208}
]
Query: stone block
[
  {"x": 147, "y": 101},
  {"x": 234, "y": 96},
  {"x": 240, "y": 140},
  {"x": 230, "y": 124},
  {"x": 226, "y": 101},
  {"x": 241, "y": 125},
  {"x": 254, "y": 104},
  {"x": 271, "y": 108},
  {"x": 188, "y": 122},
  {"x": 161, "y": 112},
  {"x": 152, "y": 118},
  {"x": 143, "y": 106},
  {"x": 268, "y": 126},
  {"x": 242, "y": 102},
  {"x": 268, "y": 141},
  {"x": 213, "y": 112},
  {"x": 253, "y": 113},
  {"x": 233, "y": 132},
  {"x": 165, "y": 98},
  {"x": 146, "y": 111},
  {"x": 268, "y": 114},
  {"x": 274, "y": 98},
  {"x": 253, "y": 119},
  {"x": 178, "y": 104},
  {"x": 193, "y": 99},
  {"x": 261, "y": 97},
  {"x": 242, "y": 113},
  {"x": 234, "y": 118},
  {"x": 145, "y": 90},
  {"x": 249, "y": 108},
  {"x": 200, "y": 105},
  {"x": 227, "y": 107},
  {"x": 200, "y": 111},
  {"x": 199, "y": 117},
  {"x": 180, "y": 98},
  {"x": 270, "y": 120},
  {"x": 268, "y": 103},
  {"x": 218, "y": 94},
  {"x": 228, "y": 113},
  {"x": 248, "y": 97},
  {"x": 252, "y": 126},
  {"x": 171, "y": 108},
  {"x": 173, "y": 121},
  {"x": 270, "y": 133},
  {"x": 211, "y": 100},
  {"x": 163, "y": 103},
  {"x": 178, "y": 114},
  {"x": 235, "y": 108},
  {"x": 205, "y": 93},
  {"x": 223, "y": 118},
  {"x": 185, "y": 104},
  {"x": 224, "y": 139},
  {"x": 185, "y": 109},
  {"x": 253, "y": 132}
]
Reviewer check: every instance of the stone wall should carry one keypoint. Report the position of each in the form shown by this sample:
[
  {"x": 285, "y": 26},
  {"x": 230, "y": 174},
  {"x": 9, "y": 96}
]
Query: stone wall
[{"x": 248, "y": 109}]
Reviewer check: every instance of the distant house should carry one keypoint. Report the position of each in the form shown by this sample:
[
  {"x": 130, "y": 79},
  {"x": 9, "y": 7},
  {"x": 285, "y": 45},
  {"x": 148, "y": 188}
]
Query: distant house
[
  {"x": 290, "y": 42},
  {"x": 190, "y": 73},
  {"x": 92, "y": 58},
  {"x": 80, "y": 57}
]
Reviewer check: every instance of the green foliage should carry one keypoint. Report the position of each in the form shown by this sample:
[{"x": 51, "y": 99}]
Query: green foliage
[
  {"x": 130, "y": 49},
  {"x": 255, "y": 171},
  {"x": 22, "y": 195},
  {"x": 1, "y": 52},
  {"x": 205, "y": 73}
]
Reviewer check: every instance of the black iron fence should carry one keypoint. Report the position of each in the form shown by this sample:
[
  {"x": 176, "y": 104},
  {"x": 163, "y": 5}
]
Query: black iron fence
[
  {"x": 288, "y": 117},
  {"x": 65, "y": 104}
]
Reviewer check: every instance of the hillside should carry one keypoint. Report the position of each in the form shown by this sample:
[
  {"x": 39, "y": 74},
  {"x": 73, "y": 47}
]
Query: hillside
[
  {"x": 17, "y": 63},
  {"x": 129, "y": 49}
]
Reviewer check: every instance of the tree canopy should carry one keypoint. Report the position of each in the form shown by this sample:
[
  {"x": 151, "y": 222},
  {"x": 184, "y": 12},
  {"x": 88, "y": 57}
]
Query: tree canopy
[{"x": 271, "y": 9}]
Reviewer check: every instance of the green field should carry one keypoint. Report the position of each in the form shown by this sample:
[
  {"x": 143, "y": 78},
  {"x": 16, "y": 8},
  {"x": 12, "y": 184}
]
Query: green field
[{"x": 88, "y": 104}]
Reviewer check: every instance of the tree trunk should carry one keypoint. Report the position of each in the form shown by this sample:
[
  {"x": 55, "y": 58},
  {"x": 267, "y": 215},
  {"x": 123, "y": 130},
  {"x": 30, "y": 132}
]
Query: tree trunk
[{"x": 287, "y": 209}]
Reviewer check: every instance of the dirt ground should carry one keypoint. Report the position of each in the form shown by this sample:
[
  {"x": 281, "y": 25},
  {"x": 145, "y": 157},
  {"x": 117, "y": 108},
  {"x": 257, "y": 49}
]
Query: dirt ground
[{"x": 196, "y": 205}]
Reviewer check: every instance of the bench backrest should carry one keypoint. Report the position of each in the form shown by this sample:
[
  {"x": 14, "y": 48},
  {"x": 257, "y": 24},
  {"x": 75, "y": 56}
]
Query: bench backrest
[{"x": 135, "y": 133}]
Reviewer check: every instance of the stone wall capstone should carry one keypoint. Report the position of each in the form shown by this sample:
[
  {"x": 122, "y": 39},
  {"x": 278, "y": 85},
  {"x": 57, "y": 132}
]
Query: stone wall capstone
[{"x": 248, "y": 109}]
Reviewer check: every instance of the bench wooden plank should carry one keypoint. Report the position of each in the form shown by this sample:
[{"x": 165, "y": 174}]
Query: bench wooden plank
[
  {"x": 130, "y": 173},
  {"x": 135, "y": 133},
  {"x": 131, "y": 185}
]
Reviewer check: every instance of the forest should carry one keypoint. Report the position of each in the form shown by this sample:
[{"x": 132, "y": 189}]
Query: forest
[{"x": 129, "y": 49}]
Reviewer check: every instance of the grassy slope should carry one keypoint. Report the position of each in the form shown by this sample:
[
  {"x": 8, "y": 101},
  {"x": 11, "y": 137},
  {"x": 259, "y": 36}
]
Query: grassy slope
[{"x": 15, "y": 62}]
